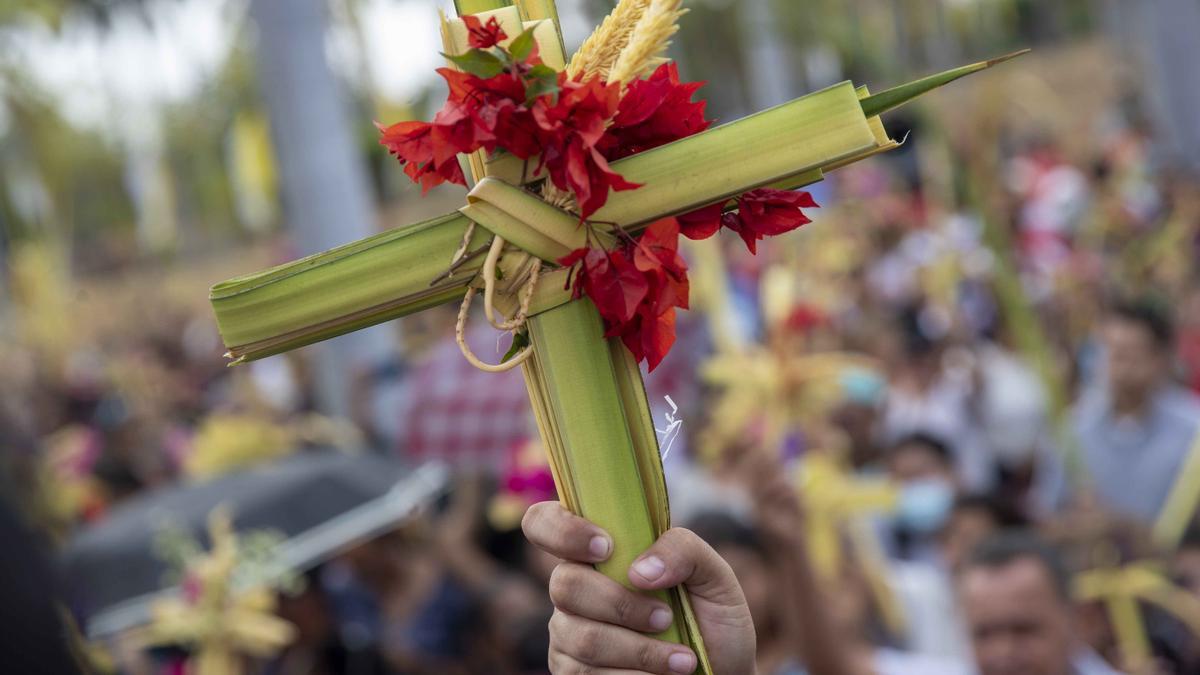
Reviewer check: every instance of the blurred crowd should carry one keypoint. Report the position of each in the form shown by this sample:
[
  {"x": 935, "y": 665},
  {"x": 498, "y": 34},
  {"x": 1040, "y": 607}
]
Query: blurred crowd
[{"x": 981, "y": 383}]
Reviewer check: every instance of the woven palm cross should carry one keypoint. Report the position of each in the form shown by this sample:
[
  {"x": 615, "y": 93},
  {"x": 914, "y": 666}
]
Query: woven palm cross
[{"x": 587, "y": 392}]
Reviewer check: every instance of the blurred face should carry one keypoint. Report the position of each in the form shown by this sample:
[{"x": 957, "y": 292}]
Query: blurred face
[
  {"x": 964, "y": 531},
  {"x": 858, "y": 423},
  {"x": 913, "y": 462},
  {"x": 1019, "y": 624},
  {"x": 1136, "y": 364}
]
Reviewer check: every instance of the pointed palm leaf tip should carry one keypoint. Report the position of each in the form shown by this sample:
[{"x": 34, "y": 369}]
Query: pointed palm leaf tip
[{"x": 898, "y": 96}]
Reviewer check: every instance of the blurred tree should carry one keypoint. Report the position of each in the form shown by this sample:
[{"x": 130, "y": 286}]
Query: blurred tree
[
  {"x": 1160, "y": 36},
  {"x": 63, "y": 183},
  {"x": 1171, "y": 35},
  {"x": 324, "y": 183}
]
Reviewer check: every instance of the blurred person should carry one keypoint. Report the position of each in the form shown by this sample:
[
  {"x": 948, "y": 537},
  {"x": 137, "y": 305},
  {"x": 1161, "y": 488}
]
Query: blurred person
[
  {"x": 34, "y": 639},
  {"x": 1014, "y": 420},
  {"x": 473, "y": 603},
  {"x": 744, "y": 549},
  {"x": 857, "y": 416},
  {"x": 974, "y": 519},
  {"x": 1136, "y": 427},
  {"x": 1016, "y": 598},
  {"x": 926, "y": 590},
  {"x": 922, "y": 466},
  {"x": 930, "y": 390},
  {"x": 320, "y": 647},
  {"x": 1053, "y": 198}
]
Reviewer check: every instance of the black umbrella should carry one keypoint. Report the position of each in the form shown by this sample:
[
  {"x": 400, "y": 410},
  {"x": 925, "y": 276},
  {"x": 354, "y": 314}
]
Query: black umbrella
[{"x": 321, "y": 502}]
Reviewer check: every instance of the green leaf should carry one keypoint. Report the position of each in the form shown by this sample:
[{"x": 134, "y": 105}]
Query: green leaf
[
  {"x": 478, "y": 63},
  {"x": 898, "y": 96},
  {"x": 522, "y": 46},
  {"x": 542, "y": 80},
  {"x": 519, "y": 343}
]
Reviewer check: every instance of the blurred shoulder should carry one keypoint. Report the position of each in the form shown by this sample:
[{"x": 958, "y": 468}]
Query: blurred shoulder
[
  {"x": 1181, "y": 405},
  {"x": 894, "y": 662}
]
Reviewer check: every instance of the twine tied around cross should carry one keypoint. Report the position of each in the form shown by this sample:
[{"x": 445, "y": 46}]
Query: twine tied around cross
[
  {"x": 530, "y": 273},
  {"x": 537, "y": 231}
]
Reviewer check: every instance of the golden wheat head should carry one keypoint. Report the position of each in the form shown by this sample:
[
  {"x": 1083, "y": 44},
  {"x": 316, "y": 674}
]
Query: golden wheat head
[
  {"x": 602, "y": 49},
  {"x": 649, "y": 41}
]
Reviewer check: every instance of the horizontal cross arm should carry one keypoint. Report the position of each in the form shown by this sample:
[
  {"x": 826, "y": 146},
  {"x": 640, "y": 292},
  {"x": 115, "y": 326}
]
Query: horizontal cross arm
[
  {"x": 384, "y": 277},
  {"x": 404, "y": 271}
]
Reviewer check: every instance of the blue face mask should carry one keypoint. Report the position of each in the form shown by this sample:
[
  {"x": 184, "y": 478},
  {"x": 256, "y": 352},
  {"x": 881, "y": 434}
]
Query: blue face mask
[{"x": 924, "y": 505}]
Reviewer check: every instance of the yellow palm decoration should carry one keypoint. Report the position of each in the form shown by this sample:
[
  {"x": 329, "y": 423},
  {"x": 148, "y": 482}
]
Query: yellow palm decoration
[
  {"x": 836, "y": 502},
  {"x": 1121, "y": 589},
  {"x": 222, "y": 624}
]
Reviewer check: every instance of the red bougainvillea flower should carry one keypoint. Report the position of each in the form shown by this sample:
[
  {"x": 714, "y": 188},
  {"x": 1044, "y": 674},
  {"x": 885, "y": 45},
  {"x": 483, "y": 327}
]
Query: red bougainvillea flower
[
  {"x": 657, "y": 257},
  {"x": 413, "y": 144},
  {"x": 570, "y": 127},
  {"x": 636, "y": 289},
  {"x": 761, "y": 213},
  {"x": 655, "y": 111},
  {"x": 483, "y": 36},
  {"x": 497, "y": 109},
  {"x": 768, "y": 213},
  {"x": 611, "y": 280},
  {"x": 702, "y": 223},
  {"x": 479, "y": 114}
]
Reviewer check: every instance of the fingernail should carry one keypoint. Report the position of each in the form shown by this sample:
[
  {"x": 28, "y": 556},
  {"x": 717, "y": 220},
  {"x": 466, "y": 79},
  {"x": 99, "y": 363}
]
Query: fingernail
[
  {"x": 660, "y": 619},
  {"x": 599, "y": 547},
  {"x": 682, "y": 662},
  {"x": 650, "y": 568}
]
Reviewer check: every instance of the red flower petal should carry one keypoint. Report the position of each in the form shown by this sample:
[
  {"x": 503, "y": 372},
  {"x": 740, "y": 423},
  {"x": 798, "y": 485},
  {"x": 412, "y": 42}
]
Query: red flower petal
[
  {"x": 654, "y": 112},
  {"x": 410, "y": 141},
  {"x": 652, "y": 338},
  {"x": 636, "y": 289},
  {"x": 481, "y": 36},
  {"x": 419, "y": 147},
  {"x": 767, "y": 213},
  {"x": 701, "y": 223}
]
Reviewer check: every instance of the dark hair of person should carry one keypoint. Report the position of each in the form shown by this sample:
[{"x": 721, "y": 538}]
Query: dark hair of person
[
  {"x": 721, "y": 529},
  {"x": 927, "y": 441},
  {"x": 1007, "y": 547},
  {"x": 1003, "y": 513},
  {"x": 1151, "y": 316}
]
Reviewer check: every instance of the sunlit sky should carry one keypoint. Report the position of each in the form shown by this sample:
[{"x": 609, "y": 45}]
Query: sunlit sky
[{"x": 105, "y": 77}]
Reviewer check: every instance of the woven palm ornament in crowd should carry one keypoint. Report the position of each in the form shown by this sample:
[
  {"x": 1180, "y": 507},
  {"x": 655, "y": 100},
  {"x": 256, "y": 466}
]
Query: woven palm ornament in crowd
[
  {"x": 1122, "y": 590},
  {"x": 220, "y": 624},
  {"x": 582, "y": 176}
]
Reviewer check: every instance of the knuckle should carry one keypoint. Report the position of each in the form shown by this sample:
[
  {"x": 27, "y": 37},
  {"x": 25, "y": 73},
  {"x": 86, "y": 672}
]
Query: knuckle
[
  {"x": 589, "y": 643},
  {"x": 648, "y": 657},
  {"x": 564, "y": 585},
  {"x": 559, "y": 628},
  {"x": 626, "y": 609},
  {"x": 561, "y": 664},
  {"x": 533, "y": 517},
  {"x": 680, "y": 536}
]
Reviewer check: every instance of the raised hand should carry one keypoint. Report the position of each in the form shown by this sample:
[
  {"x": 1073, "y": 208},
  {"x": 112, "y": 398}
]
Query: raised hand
[{"x": 599, "y": 626}]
